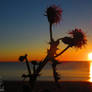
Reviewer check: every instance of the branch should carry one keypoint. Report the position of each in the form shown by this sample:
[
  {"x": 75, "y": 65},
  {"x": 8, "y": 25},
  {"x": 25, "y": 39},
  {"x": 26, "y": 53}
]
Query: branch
[
  {"x": 62, "y": 51},
  {"x": 40, "y": 67},
  {"x": 28, "y": 67},
  {"x": 51, "y": 38},
  {"x": 55, "y": 74}
]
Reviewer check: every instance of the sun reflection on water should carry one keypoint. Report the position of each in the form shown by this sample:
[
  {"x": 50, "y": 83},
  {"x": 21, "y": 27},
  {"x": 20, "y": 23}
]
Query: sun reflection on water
[{"x": 90, "y": 72}]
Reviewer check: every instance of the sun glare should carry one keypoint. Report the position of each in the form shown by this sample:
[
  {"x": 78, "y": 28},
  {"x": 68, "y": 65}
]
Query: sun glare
[
  {"x": 90, "y": 56},
  {"x": 90, "y": 73}
]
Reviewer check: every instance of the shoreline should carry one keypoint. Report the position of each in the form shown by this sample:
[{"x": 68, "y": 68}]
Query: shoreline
[{"x": 40, "y": 86}]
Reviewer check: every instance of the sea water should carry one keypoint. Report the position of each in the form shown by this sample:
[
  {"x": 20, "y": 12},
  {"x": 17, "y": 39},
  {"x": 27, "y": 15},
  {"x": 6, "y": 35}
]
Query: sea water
[{"x": 69, "y": 71}]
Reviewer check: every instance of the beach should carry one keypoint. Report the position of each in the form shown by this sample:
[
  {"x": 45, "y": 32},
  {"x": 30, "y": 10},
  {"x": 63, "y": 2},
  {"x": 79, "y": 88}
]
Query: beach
[{"x": 47, "y": 86}]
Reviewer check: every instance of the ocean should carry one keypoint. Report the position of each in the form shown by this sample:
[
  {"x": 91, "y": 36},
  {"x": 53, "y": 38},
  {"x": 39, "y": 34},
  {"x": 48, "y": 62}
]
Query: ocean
[{"x": 69, "y": 71}]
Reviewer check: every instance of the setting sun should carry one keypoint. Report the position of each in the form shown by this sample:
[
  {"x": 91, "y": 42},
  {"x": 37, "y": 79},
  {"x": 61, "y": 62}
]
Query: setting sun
[{"x": 90, "y": 56}]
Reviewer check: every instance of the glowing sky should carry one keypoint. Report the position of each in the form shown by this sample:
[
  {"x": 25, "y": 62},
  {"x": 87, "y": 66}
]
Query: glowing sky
[{"x": 25, "y": 29}]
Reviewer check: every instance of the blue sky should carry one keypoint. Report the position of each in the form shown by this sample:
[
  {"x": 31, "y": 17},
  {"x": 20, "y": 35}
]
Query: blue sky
[{"x": 25, "y": 29}]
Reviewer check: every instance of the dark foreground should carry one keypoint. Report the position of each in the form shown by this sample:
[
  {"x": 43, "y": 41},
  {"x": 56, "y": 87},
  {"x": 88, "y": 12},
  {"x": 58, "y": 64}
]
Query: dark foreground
[{"x": 45, "y": 86}]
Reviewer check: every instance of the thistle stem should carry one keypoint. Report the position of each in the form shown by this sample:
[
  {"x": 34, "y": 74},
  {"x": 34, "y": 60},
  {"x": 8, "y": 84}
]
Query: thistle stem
[
  {"x": 42, "y": 65},
  {"x": 62, "y": 51},
  {"x": 47, "y": 57},
  {"x": 51, "y": 38},
  {"x": 54, "y": 73},
  {"x": 28, "y": 68}
]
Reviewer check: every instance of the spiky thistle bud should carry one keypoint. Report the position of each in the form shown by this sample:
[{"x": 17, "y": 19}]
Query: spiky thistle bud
[{"x": 54, "y": 14}]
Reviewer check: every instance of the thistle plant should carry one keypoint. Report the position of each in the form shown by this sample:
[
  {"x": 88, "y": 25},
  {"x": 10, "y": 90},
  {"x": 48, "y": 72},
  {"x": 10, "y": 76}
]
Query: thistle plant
[
  {"x": 24, "y": 58},
  {"x": 53, "y": 14},
  {"x": 76, "y": 39}
]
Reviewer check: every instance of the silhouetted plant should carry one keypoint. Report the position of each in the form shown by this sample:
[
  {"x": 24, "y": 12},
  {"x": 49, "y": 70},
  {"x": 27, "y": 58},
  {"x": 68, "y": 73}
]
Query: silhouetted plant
[
  {"x": 24, "y": 58},
  {"x": 24, "y": 76},
  {"x": 34, "y": 63},
  {"x": 53, "y": 14},
  {"x": 55, "y": 73},
  {"x": 77, "y": 39}
]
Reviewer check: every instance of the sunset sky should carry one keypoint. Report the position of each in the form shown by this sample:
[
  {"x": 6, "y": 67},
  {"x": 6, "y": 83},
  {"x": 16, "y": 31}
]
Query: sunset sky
[{"x": 25, "y": 29}]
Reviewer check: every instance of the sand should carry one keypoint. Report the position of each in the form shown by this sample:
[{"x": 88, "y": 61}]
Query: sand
[{"x": 47, "y": 86}]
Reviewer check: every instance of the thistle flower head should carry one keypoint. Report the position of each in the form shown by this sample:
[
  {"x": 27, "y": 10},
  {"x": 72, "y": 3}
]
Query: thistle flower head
[
  {"x": 54, "y": 14},
  {"x": 79, "y": 38},
  {"x": 22, "y": 58},
  {"x": 67, "y": 40}
]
